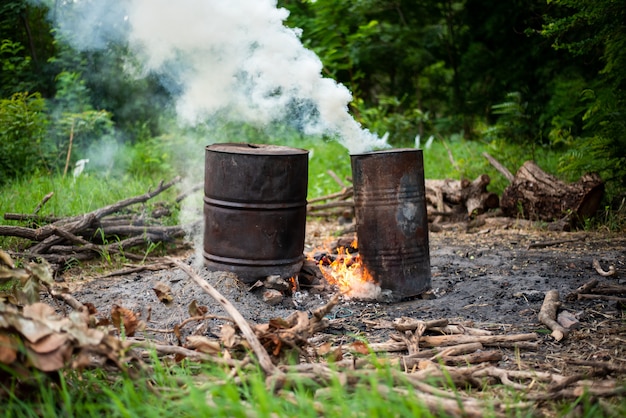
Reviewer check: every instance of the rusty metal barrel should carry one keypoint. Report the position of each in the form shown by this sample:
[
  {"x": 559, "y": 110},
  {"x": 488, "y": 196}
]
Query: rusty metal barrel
[
  {"x": 255, "y": 209},
  {"x": 391, "y": 219}
]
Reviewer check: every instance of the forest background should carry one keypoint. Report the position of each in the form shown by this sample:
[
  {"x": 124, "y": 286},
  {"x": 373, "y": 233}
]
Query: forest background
[{"x": 546, "y": 75}]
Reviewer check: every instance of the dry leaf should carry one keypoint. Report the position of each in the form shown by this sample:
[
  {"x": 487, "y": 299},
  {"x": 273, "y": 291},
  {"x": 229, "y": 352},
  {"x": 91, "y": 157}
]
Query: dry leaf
[
  {"x": 203, "y": 344},
  {"x": 324, "y": 349},
  {"x": 122, "y": 317},
  {"x": 336, "y": 355},
  {"x": 8, "y": 349},
  {"x": 359, "y": 347},
  {"x": 228, "y": 335},
  {"x": 48, "y": 343},
  {"x": 6, "y": 259},
  {"x": 41, "y": 271},
  {"x": 163, "y": 292},
  {"x": 49, "y": 362},
  {"x": 40, "y": 311},
  {"x": 197, "y": 310}
]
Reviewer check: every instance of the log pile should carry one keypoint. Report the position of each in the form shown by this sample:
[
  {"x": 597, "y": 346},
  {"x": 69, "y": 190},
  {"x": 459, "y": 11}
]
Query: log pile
[
  {"x": 536, "y": 195},
  {"x": 108, "y": 230},
  {"x": 532, "y": 195},
  {"x": 447, "y": 200}
]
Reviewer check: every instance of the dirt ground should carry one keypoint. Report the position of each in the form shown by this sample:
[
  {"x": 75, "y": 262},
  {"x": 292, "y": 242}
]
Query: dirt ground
[{"x": 495, "y": 278}]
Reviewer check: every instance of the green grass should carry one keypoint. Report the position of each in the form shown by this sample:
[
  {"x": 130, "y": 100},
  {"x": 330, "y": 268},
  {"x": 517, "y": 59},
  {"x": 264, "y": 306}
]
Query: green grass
[
  {"x": 71, "y": 196},
  {"x": 192, "y": 390},
  {"x": 202, "y": 390}
]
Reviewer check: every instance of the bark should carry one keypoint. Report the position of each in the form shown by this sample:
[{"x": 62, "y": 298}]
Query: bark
[
  {"x": 548, "y": 315},
  {"x": 537, "y": 195}
]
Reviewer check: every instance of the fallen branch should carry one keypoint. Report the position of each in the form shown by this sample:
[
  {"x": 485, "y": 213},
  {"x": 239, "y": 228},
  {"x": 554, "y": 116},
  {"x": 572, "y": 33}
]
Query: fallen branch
[
  {"x": 545, "y": 244},
  {"x": 583, "y": 296},
  {"x": 43, "y": 202},
  {"x": 585, "y": 288},
  {"x": 547, "y": 315},
  {"x": 601, "y": 272},
  {"x": 264, "y": 359},
  {"x": 498, "y": 166}
]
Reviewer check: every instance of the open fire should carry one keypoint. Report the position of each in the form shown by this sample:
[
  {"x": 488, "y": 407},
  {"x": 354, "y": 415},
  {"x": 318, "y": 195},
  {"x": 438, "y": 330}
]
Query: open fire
[{"x": 346, "y": 271}]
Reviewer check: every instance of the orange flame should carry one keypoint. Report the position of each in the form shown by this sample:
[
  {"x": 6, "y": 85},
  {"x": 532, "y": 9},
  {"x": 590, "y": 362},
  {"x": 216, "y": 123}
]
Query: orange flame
[{"x": 349, "y": 275}]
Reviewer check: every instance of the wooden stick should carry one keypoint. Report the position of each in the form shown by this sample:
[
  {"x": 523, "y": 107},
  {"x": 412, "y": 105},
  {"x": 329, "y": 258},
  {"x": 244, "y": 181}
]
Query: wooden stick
[
  {"x": 545, "y": 244},
  {"x": 8, "y": 216},
  {"x": 264, "y": 359},
  {"x": 460, "y": 329},
  {"x": 192, "y": 190},
  {"x": 344, "y": 194},
  {"x": 445, "y": 340},
  {"x": 336, "y": 178},
  {"x": 601, "y": 272},
  {"x": 585, "y": 288},
  {"x": 174, "y": 349},
  {"x": 80, "y": 222},
  {"x": 584, "y": 296},
  {"x": 410, "y": 324},
  {"x": 442, "y": 340},
  {"x": 69, "y": 148},
  {"x": 498, "y": 166},
  {"x": 43, "y": 202},
  {"x": 340, "y": 204},
  {"x": 547, "y": 315}
]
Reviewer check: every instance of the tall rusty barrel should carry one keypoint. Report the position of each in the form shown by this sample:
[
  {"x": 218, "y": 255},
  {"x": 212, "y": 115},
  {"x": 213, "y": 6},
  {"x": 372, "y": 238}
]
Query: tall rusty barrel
[
  {"x": 255, "y": 209},
  {"x": 391, "y": 219}
]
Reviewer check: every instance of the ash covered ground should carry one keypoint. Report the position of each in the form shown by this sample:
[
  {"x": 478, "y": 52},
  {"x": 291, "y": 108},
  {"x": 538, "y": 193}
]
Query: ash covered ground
[{"x": 493, "y": 278}]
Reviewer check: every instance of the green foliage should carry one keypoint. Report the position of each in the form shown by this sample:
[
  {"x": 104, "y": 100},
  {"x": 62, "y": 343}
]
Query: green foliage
[
  {"x": 513, "y": 123},
  {"x": 24, "y": 124},
  {"x": 595, "y": 32},
  {"x": 14, "y": 64}
]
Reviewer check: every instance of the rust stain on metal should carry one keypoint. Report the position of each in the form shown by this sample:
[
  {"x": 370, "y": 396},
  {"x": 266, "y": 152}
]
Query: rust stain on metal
[
  {"x": 255, "y": 209},
  {"x": 391, "y": 219}
]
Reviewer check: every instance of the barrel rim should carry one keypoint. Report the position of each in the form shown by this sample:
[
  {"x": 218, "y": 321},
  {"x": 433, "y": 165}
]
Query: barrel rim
[
  {"x": 245, "y": 148},
  {"x": 385, "y": 151}
]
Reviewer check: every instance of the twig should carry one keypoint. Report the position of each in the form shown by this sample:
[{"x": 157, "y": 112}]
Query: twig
[
  {"x": 344, "y": 194},
  {"x": 336, "y": 178},
  {"x": 410, "y": 324},
  {"x": 264, "y": 359},
  {"x": 601, "y": 272},
  {"x": 545, "y": 244},
  {"x": 68, "y": 299},
  {"x": 30, "y": 217},
  {"x": 182, "y": 351},
  {"x": 137, "y": 269},
  {"x": 69, "y": 148},
  {"x": 585, "y": 288},
  {"x": 498, "y": 166},
  {"x": 585, "y": 296},
  {"x": 43, "y": 202},
  {"x": 189, "y": 192},
  {"x": 342, "y": 204},
  {"x": 188, "y": 320},
  {"x": 74, "y": 224}
]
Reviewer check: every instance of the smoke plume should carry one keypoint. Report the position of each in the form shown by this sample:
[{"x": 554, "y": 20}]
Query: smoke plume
[{"x": 233, "y": 59}]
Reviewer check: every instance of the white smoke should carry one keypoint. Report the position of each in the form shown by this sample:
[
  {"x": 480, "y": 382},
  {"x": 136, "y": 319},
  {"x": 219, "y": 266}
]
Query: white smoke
[{"x": 235, "y": 58}]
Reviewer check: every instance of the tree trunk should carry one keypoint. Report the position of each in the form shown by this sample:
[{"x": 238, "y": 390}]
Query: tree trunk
[{"x": 537, "y": 195}]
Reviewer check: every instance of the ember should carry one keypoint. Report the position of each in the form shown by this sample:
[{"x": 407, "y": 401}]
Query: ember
[{"x": 346, "y": 271}]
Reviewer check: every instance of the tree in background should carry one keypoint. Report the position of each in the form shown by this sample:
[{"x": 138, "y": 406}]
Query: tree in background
[{"x": 595, "y": 33}]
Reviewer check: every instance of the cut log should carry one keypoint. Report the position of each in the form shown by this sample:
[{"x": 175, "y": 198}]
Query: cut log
[
  {"x": 459, "y": 199},
  {"x": 537, "y": 195}
]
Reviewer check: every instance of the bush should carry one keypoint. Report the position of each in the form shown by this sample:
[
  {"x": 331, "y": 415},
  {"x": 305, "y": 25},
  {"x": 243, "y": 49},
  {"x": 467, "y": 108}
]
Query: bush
[{"x": 24, "y": 126}]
